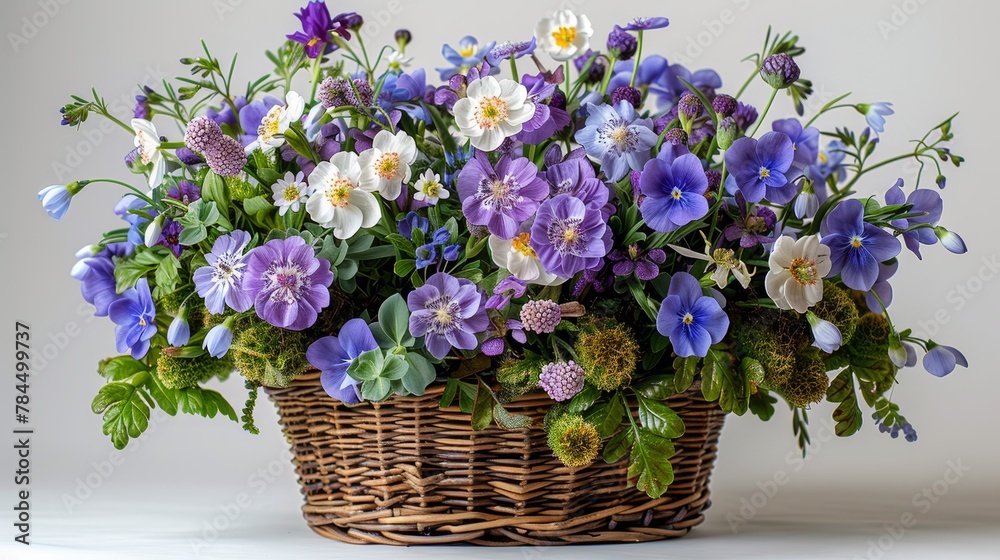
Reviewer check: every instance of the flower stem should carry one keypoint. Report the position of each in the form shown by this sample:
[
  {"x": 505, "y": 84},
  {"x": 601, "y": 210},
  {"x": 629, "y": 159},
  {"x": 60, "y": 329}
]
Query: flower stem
[
  {"x": 607, "y": 75},
  {"x": 315, "y": 77},
  {"x": 638, "y": 58},
  {"x": 770, "y": 100}
]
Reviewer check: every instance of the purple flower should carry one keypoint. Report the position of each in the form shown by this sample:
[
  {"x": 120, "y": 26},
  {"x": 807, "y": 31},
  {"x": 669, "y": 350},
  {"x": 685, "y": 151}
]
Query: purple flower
[
  {"x": 951, "y": 240},
  {"x": 288, "y": 282},
  {"x": 805, "y": 142},
  {"x": 670, "y": 87},
  {"x": 97, "y": 283},
  {"x": 828, "y": 164},
  {"x": 752, "y": 227},
  {"x": 252, "y": 114},
  {"x": 548, "y": 118},
  {"x": 856, "y": 247},
  {"x": 225, "y": 115},
  {"x": 644, "y": 23},
  {"x": 135, "y": 317},
  {"x": 941, "y": 360},
  {"x": 221, "y": 282},
  {"x": 779, "y": 70},
  {"x": 675, "y": 192},
  {"x": 510, "y": 49},
  {"x": 510, "y": 287},
  {"x": 759, "y": 167},
  {"x": 184, "y": 191},
  {"x": 502, "y": 198},
  {"x": 317, "y": 26},
  {"x": 645, "y": 264},
  {"x": 170, "y": 237},
  {"x": 496, "y": 343},
  {"x": 745, "y": 115},
  {"x": 568, "y": 236},
  {"x": 426, "y": 255},
  {"x": 691, "y": 320},
  {"x": 618, "y": 138},
  {"x": 411, "y": 222},
  {"x": 333, "y": 355},
  {"x": 881, "y": 287},
  {"x": 448, "y": 312},
  {"x": 179, "y": 331},
  {"x": 595, "y": 277},
  {"x": 575, "y": 176},
  {"x": 561, "y": 381},
  {"x": 621, "y": 44},
  {"x": 924, "y": 201}
]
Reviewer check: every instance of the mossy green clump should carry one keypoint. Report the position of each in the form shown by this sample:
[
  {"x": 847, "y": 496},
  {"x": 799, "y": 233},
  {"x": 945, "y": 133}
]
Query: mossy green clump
[
  {"x": 608, "y": 353},
  {"x": 181, "y": 373},
  {"x": 268, "y": 355},
  {"x": 517, "y": 376},
  {"x": 239, "y": 189},
  {"x": 871, "y": 338},
  {"x": 574, "y": 441},
  {"x": 838, "y": 307},
  {"x": 171, "y": 303},
  {"x": 772, "y": 338},
  {"x": 808, "y": 383}
]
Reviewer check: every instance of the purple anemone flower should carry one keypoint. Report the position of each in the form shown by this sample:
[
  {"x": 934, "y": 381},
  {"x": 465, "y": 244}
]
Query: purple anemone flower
[
  {"x": 568, "y": 236},
  {"x": 221, "y": 282},
  {"x": 289, "y": 284},
  {"x": 252, "y": 114},
  {"x": 925, "y": 201},
  {"x": 675, "y": 192},
  {"x": 761, "y": 167},
  {"x": 941, "y": 360},
  {"x": 644, "y": 23},
  {"x": 448, "y": 312},
  {"x": 97, "y": 283},
  {"x": 691, "y": 320},
  {"x": 225, "y": 115},
  {"x": 501, "y": 198},
  {"x": 856, "y": 247},
  {"x": 618, "y": 138},
  {"x": 645, "y": 264},
  {"x": 135, "y": 317},
  {"x": 575, "y": 175},
  {"x": 333, "y": 355},
  {"x": 317, "y": 26},
  {"x": 805, "y": 141},
  {"x": 753, "y": 227}
]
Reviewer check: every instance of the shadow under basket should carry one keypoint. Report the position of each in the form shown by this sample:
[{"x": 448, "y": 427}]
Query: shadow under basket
[{"x": 405, "y": 472}]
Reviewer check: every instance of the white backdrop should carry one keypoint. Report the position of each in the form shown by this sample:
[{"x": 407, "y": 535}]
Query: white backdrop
[{"x": 162, "y": 494}]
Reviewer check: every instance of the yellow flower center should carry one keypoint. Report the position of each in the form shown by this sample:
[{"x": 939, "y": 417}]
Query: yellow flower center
[
  {"x": 290, "y": 193},
  {"x": 856, "y": 242},
  {"x": 803, "y": 271},
  {"x": 823, "y": 158},
  {"x": 467, "y": 50},
  {"x": 688, "y": 318},
  {"x": 339, "y": 192},
  {"x": 619, "y": 135},
  {"x": 520, "y": 244},
  {"x": 569, "y": 235},
  {"x": 764, "y": 173},
  {"x": 676, "y": 193},
  {"x": 142, "y": 321},
  {"x": 564, "y": 36},
  {"x": 443, "y": 316},
  {"x": 492, "y": 111},
  {"x": 431, "y": 189},
  {"x": 387, "y": 165},
  {"x": 270, "y": 124},
  {"x": 313, "y": 42}
]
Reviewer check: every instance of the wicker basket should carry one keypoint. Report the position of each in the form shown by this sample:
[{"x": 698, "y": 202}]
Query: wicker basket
[{"x": 405, "y": 472}]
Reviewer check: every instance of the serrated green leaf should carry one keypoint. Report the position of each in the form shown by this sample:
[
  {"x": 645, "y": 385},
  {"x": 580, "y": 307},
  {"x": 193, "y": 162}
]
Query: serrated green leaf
[
  {"x": 204, "y": 402},
  {"x": 657, "y": 417},
  {"x": 731, "y": 387},
  {"x": 120, "y": 367},
  {"x": 762, "y": 404},
  {"x": 166, "y": 276},
  {"x": 126, "y": 415},
  {"x": 165, "y": 398},
  {"x": 650, "y": 470}
]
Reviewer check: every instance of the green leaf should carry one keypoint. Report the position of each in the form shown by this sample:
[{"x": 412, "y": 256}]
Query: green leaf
[
  {"x": 753, "y": 370},
  {"x": 204, "y": 402},
  {"x": 394, "y": 318},
  {"x": 482, "y": 407},
  {"x": 656, "y": 386},
  {"x": 404, "y": 267},
  {"x": 164, "y": 397},
  {"x": 618, "y": 446},
  {"x": 402, "y": 244},
  {"x": 731, "y": 386},
  {"x": 607, "y": 417},
  {"x": 420, "y": 374},
  {"x": 275, "y": 377},
  {"x": 509, "y": 421},
  {"x": 684, "y": 371},
  {"x": 257, "y": 205},
  {"x": 192, "y": 235},
  {"x": 166, "y": 276},
  {"x": 449, "y": 394},
  {"x": 762, "y": 404},
  {"x": 847, "y": 414},
  {"x": 367, "y": 366},
  {"x": 394, "y": 368},
  {"x": 583, "y": 400},
  {"x": 126, "y": 415},
  {"x": 650, "y": 470},
  {"x": 129, "y": 271},
  {"x": 376, "y": 389},
  {"x": 120, "y": 367},
  {"x": 659, "y": 418}
]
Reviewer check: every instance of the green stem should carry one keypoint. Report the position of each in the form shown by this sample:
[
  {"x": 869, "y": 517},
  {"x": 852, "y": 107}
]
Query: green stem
[
  {"x": 760, "y": 120},
  {"x": 607, "y": 75},
  {"x": 137, "y": 192},
  {"x": 746, "y": 84},
  {"x": 315, "y": 78},
  {"x": 513, "y": 68},
  {"x": 638, "y": 58}
]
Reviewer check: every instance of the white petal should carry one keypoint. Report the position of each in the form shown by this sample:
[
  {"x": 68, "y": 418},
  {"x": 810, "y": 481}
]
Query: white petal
[
  {"x": 773, "y": 283},
  {"x": 371, "y": 213},
  {"x": 295, "y": 105},
  {"x": 490, "y": 140},
  {"x": 500, "y": 250},
  {"x": 795, "y": 295},
  {"x": 346, "y": 221}
]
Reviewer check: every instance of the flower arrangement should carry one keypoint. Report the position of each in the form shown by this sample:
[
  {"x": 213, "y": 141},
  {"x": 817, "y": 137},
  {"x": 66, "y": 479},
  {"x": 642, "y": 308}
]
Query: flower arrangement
[{"x": 601, "y": 226}]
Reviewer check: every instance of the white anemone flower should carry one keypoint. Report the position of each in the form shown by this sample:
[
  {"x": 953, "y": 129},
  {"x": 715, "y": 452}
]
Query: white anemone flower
[
  {"x": 797, "y": 269},
  {"x": 271, "y": 132},
  {"x": 290, "y": 192},
  {"x": 492, "y": 111},
  {"x": 386, "y": 165},
  {"x": 147, "y": 140},
  {"x": 565, "y": 35},
  {"x": 725, "y": 261},
  {"x": 337, "y": 201},
  {"x": 520, "y": 259},
  {"x": 428, "y": 188}
]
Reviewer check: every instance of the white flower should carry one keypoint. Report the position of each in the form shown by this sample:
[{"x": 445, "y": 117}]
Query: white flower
[
  {"x": 153, "y": 231},
  {"x": 290, "y": 192},
  {"x": 724, "y": 261},
  {"x": 337, "y": 201},
  {"x": 795, "y": 280},
  {"x": 386, "y": 164},
  {"x": 271, "y": 132},
  {"x": 148, "y": 142},
  {"x": 826, "y": 335},
  {"x": 564, "y": 35},
  {"x": 398, "y": 61},
  {"x": 520, "y": 259},
  {"x": 492, "y": 111},
  {"x": 429, "y": 188}
]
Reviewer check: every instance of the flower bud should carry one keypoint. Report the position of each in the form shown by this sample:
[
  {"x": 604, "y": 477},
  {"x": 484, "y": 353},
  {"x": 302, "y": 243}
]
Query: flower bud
[
  {"x": 153, "y": 230},
  {"x": 779, "y": 71},
  {"x": 724, "y": 105},
  {"x": 727, "y": 132},
  {"x": 403, "y": 38}
]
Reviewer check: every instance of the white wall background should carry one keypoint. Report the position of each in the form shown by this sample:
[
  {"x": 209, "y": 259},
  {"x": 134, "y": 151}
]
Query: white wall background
[{"x": 929, "y": 57}]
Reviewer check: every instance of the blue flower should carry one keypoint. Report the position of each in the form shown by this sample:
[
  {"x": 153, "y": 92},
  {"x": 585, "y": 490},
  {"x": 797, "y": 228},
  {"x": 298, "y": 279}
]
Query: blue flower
[
  {"x": 691, "y": 320},
  {"x": 451, "y": 253},
  {"x": 875, "y": 114},
  {"x": 618, "y": 138},
  {"x": 760, "y": 168},
  {"x": 644, "y": 23},
  {"x": 440, "y": 236},
  {"x": 856, "y": 247},
  {"x": 333, "y": 355},
  {"x": 826, "y": 335},
  {"x": 56, "y": 198},
  {"x": 510, "y": 49},
  {"x": 426, "y": 255},
  {"x": 675, "y": 191},
  {"x": 179, "y": 332},
  {"x": 941, "y": 360},
  {"x": 925, "y": 202},
  {"x": 951, "y": 240},
  {"x": 135, "y": 317},
  {"x": 805, "y": 141},
  {"x": 218, "y": 340},
  {"x": 412, "y": 221},
  {"x": 468, "y": 54},
  {"x": 881, "y": 287}
]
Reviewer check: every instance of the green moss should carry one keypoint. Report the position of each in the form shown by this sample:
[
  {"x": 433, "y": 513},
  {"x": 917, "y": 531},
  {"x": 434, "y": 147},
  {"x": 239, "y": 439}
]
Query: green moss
[
  {"x": 838, "y": 307},
  {"x": 180, "y": 373},
  {"x": 871, "y": 338},
  {"x": 171, "y": 303},
  {"x": 772, "y": 338},
  {"x": 518, "y": 376},
  {"x": 239, "y": 189},
  {"x": 608, "y": 353},
  {"x": 574, "y": 441},
  {"x": 808, "y": 383},
  {"x": 268, "y": 355}
]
